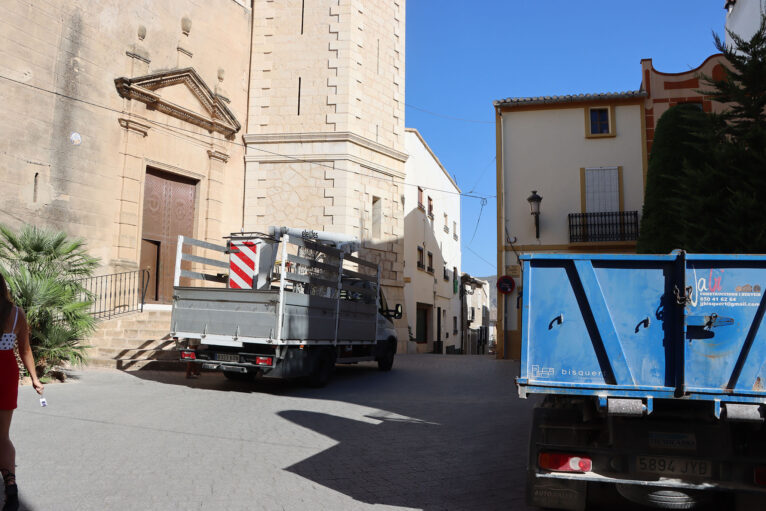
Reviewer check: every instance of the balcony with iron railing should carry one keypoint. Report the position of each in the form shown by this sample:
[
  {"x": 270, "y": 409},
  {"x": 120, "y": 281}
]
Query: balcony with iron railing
[{"x": 603, "y": 226}]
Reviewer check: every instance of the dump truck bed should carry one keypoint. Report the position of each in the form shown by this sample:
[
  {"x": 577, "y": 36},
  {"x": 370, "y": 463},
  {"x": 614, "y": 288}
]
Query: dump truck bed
[{"x": 678, "y": 326}]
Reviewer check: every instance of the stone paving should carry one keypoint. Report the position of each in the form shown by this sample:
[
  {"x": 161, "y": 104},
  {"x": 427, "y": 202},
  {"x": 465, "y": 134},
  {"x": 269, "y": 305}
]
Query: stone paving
[{"x": 437, "y": 432}]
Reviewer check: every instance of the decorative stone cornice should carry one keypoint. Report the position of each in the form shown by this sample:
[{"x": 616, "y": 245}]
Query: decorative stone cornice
[
  {"x": 318, "y": 137},
  {"x": 185, "y": 51},
  {"x": 218, "y": 155},
  {"x": 143, "y": 88},
  {"x": 324, "y": 158},
  {"x": 139, "y": 53},
  {"x": 131, "y": 125}
]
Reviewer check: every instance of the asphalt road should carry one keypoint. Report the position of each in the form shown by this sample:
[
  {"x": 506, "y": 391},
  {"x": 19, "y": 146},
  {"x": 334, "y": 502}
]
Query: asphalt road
[{"x": 437, "y": 432}]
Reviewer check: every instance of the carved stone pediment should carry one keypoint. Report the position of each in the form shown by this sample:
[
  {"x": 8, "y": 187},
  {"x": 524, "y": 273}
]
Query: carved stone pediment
[{"x": 183, "y": 94}]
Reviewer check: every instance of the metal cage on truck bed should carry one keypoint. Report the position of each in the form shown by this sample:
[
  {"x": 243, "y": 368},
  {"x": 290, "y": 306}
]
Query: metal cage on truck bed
[
  {"x": 300, "y": 299},
  {"x": 677, "y": 326}
]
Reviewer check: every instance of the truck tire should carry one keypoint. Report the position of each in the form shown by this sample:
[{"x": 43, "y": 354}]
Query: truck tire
[
  {"x": 663, "y": 498},
  {"x": 386, "y": 362},
  {"x": 323, "y": 368}
]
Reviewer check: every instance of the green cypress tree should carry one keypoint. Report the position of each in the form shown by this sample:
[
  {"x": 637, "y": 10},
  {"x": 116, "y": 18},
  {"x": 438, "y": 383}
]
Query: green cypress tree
[
  {"x": 706, "y": 182},
  {"x": 675, "y": 141},
  {"x": 725, "y": 193}
]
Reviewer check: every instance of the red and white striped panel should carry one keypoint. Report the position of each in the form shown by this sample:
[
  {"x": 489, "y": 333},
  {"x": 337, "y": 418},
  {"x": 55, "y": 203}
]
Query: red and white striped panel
[{"x": 242, "y": 267}]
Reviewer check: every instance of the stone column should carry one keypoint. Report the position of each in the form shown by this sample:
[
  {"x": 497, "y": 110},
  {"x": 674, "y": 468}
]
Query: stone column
[
  {"x": 215, "y": 194},
  {"x": 127, "y": 233}
]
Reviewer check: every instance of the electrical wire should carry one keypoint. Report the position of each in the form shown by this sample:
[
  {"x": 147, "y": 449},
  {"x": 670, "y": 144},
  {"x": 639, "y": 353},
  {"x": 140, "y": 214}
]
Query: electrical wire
[
  {"x": 177, "y": 131},
  {"x": 172, "y": 129},
  {"x": 483, "y": 203},
  {"x": 484, "y": 171},
  {"x": 493, "y": 265}
]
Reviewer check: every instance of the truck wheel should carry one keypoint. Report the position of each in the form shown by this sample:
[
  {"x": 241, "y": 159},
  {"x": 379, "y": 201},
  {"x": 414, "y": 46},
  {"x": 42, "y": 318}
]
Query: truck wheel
[
  {"x": 386, "y": 362},
  {"x": 325, "y": 366},
  {"x": 663, "y": 498}
]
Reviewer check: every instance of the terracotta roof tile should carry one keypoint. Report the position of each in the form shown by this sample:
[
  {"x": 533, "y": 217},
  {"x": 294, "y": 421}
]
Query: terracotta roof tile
[{"x": 570, "y": 98}]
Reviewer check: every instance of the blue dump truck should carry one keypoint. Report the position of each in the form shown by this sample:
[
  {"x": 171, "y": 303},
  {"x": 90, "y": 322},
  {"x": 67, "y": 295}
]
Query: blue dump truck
[{"x": 652, "y": 376}]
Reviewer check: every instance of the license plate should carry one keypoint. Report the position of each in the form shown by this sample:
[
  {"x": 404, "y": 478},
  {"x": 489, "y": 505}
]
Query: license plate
[
  {"x": 668, "y": 466},
  {"x": 227, "y": 357}
]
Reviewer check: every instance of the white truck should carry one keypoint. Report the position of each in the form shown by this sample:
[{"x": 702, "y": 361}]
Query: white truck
[{"x": 292, "y": 304}]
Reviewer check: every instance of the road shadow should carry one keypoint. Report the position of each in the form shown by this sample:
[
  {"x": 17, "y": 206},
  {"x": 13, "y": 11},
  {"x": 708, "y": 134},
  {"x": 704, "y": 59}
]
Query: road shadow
[
  {"x": 444, "y": 431},
  {"x": 410, "y": 462}
]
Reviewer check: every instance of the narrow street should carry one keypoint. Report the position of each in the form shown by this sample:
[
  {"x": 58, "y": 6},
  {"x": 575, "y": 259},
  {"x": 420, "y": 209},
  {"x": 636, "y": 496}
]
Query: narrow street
[{"x": 437, "y": 432}]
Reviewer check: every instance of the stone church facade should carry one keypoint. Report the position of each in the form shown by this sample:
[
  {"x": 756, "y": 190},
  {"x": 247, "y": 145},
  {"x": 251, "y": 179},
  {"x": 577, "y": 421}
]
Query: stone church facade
[
  {"x": 121, "y": 124},
  {"x": 129, "y": 123}
]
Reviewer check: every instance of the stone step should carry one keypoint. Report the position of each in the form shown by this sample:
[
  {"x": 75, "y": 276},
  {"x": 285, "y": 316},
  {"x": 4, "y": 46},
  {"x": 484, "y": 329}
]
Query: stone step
[
  {"x": 138, "y": 344},
  {"x": 133, "y": 354},
  {"x": 138, "y": 364},
  {"x": 136, "y": 341},
  {"x": 132, "y": 333}
]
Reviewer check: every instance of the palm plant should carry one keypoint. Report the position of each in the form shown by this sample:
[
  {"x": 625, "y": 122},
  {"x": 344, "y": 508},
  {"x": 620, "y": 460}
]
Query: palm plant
[{"x": 42, "y": 268}]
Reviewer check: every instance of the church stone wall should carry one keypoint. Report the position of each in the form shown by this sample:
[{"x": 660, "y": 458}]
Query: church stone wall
[{"x": 73, "y": 152}]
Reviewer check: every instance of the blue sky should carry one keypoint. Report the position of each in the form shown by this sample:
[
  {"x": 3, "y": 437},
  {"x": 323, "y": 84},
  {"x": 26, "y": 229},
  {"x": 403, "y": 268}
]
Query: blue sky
[{"x": 462, "y": 55}]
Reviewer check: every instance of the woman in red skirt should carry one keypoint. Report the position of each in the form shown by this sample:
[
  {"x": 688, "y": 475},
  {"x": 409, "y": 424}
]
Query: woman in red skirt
[{"x": 13, "y": 330}]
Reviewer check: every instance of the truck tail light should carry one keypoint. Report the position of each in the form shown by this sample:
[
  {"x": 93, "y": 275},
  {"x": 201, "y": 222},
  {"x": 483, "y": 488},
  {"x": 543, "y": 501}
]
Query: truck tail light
[
  {"x": 759, "y": 475},
  {"x": 263, "y": 361},
  {"x": 560, "y": 462},
  {"x": 188, "y": 355}
]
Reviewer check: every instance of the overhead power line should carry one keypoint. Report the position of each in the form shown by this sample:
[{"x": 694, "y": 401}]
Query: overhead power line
[
  {"x": 173, "y": 130},
  {"x": 493, "y": 265}
]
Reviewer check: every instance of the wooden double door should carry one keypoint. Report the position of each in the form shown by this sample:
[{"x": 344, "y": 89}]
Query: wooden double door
[{"x": 168, "y": 212}]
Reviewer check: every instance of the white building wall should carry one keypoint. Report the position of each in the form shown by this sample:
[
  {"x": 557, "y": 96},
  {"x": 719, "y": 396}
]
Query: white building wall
[
  {"x": 544, "y": 150},
  {"x": 424, "y": 170},
  {"x": 477, "y": 315},
  {"x": 743, "y": 18}
]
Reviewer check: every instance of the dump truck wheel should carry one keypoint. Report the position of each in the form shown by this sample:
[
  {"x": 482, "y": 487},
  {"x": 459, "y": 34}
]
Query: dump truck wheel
[{"x": 663, "y": 498}]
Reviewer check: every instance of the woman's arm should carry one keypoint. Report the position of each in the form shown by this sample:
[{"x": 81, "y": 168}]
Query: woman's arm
[{"x": 25, "y": 351}]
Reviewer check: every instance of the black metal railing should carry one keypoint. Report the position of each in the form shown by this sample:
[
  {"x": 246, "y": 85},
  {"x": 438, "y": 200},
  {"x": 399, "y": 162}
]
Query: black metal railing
[
  {"x": 115, "y": 294},
  {"x": 604, "y": 226}
]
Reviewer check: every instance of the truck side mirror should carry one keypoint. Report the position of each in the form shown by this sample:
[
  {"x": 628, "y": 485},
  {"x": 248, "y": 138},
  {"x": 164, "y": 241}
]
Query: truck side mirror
[{"x": 398, "y": 311}]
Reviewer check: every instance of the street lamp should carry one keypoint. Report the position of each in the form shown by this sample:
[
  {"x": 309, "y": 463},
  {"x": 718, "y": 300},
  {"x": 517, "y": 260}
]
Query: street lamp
[{"x": 534, "y": 204}]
